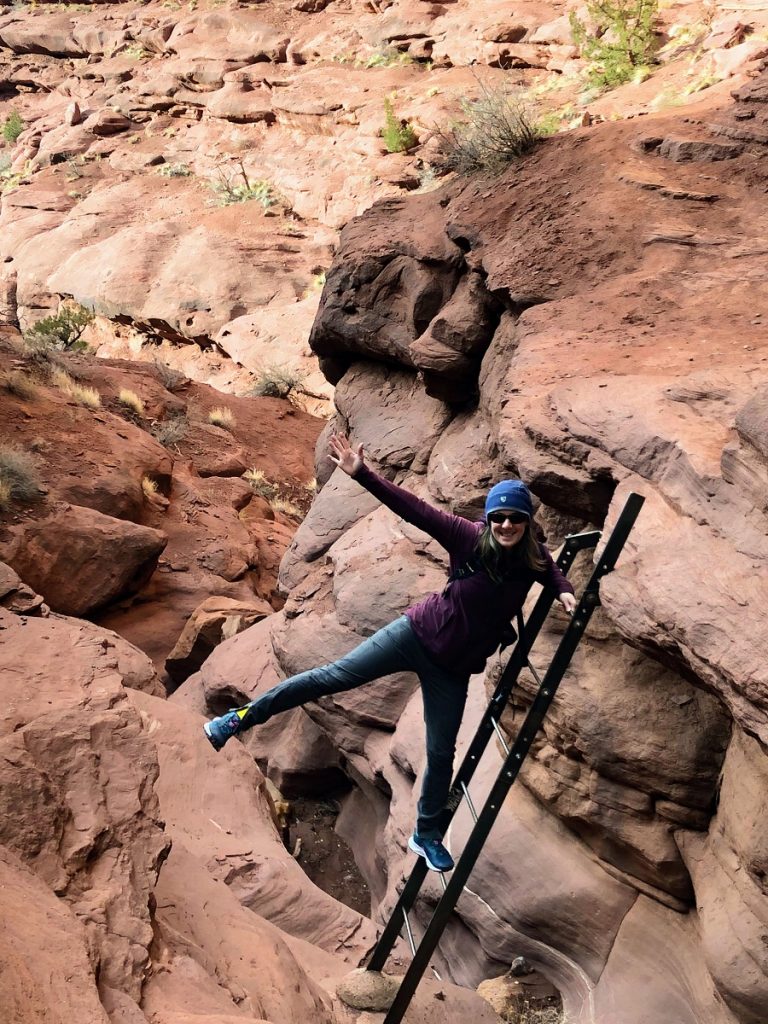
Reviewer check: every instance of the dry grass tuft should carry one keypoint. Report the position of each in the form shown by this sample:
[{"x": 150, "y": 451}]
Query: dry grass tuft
[
  {"x": 493, "y": 131},
  {"x": 131, "y": 401},
  {"x": 19, "y": 384},
  {"x": 171, "y": 432},
  {"x": 148, "y": 486},
  {"x": 19, "y": 479},
  {"x": 260, "y": 484},
  {"x": 221, "y": 417},
  {"x": 288, "y": 508},
  {"x": 77, "y": 392},
  {"x": 6, "y": 495}
]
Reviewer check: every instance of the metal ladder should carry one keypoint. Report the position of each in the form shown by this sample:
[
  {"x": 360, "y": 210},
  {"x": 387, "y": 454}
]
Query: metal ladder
[{"x": 514, "y": 755}]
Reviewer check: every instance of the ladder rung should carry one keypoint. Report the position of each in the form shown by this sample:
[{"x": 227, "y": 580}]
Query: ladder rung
[
  {"x": 468, "y": 798},
  {"x": 534, "y": 673},
  {"x": 443, "y": 881},
  {"x": 500, "y": 734},
  {"x": 409, "y": 932}
]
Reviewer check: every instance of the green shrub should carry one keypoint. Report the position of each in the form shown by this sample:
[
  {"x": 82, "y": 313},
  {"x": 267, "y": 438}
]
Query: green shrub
[
  {"x": 61, "y": 331},
  {"x": 494, "y": 130},
  {"x": 229, "y": 188},
  {"x": 19, "y": 480},
  {"x": 174, "y": 171},
  {"x": 277, "y": 382},
  {"x": 398, "y": 135},
  {"x": 13, "y": 127},
  {"x": 387, "y": 57},
  {"x": 623, "y": 41}
]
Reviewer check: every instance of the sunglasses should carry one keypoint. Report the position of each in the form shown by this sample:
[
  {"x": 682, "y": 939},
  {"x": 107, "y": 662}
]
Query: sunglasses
[{"x": 513, "y": 517}]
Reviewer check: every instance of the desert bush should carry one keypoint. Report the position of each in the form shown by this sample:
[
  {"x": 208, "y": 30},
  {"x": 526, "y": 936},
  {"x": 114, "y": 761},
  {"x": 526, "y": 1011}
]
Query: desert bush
[
  {"x": 19, "y": 384},
  {"x": 398, "y": 134},
  {"x": 78, "y": 392},
  {"x": 287, "y": 507},
  {"x": 170, "y": 379},
  {"x": 493, "y": 131},
  {"x": 19, "y": 480},
  {"x": 62, "y": 331},
  {"x": 13, "y": 127},
  {"x": 174, "y": 171},
  {"x": 171, "y": 432},
  {"x": 135, "y": 51},
  {"x": 222, "y": 417},
  {"x": 231, "y": 187},
  {"x": 9, "y": 178},
  {"x": 622, "y": 43},
  {"x": 387, "y": 57},
  {"x": 131, "y": 401},
  {"x": 260, "y": 484},
  {"x": 277, "y": 382}
]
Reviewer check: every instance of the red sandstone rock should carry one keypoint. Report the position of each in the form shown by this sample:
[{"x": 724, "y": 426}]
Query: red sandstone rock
[
  {"x": 215, "y": 620},
  {"x": 608, "y": 260},
  {"x": 82, "y": 560},
  {"x": 77, "y": 773},
  {"x": 44, "y": 953},
  {"x": 210, "y": 549}
]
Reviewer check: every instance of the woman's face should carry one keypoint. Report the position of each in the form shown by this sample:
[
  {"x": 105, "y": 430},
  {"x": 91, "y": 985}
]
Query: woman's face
[{"x": 507, "y": 529}]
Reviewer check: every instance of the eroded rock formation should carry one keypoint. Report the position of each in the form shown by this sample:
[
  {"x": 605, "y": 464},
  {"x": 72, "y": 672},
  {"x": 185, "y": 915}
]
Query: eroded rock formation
[
  {"x": 139, "y": 534},
  {"x": 593, "y": 320},
  {"x": 619, "y": 294}
]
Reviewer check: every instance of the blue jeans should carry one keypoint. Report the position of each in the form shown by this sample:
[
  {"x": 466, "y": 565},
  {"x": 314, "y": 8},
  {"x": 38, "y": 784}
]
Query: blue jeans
[{"x": 395, "y": 648}]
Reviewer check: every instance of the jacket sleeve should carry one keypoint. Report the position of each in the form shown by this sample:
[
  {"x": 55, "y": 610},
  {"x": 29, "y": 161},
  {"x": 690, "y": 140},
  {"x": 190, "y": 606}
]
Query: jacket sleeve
[
  {"x": 552, "y": 577},
  {"x": 454, "y": 533}
]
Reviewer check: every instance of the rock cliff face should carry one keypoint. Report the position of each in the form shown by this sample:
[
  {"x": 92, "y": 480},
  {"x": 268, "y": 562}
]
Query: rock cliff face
[
  {"x": 618, "y": 298},
  {"x": 136, "y": 533},
  {"x": 143, "y": 878},
  {"x": 593, "y": 320}
]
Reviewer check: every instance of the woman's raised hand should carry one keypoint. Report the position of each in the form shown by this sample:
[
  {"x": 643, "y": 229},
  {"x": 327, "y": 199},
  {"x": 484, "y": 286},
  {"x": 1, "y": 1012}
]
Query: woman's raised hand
[{"x": 346, "y": 457}]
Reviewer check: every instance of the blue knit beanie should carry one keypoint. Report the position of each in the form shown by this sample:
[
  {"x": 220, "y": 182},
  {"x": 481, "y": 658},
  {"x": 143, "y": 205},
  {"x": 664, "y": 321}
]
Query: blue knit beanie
[{"x": 509, "y": 495}]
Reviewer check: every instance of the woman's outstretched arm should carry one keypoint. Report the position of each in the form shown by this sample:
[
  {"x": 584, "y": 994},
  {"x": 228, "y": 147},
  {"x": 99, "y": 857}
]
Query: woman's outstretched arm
[{"x": 453, "y": 532}]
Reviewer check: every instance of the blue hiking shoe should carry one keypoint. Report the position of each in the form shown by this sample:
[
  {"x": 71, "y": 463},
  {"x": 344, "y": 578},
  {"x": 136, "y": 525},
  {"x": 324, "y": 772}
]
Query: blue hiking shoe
[
  {"x": 219, "y": 730},
  {"x": 433, "y": 852}
]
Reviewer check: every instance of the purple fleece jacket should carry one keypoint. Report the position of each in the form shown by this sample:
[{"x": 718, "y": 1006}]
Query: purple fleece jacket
[{"x": 462, "y": 626}]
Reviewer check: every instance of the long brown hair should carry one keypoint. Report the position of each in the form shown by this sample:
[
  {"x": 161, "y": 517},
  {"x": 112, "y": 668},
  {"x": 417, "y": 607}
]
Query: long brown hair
[{"x": 497, "y": 562}]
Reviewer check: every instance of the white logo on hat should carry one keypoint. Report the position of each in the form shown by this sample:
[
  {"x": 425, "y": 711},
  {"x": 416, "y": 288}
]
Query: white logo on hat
[{"x": 503, "y": 497}]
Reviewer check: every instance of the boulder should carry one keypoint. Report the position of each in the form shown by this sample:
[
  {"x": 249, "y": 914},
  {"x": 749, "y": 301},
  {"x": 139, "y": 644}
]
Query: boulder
[
  {"x": 16, "y": 596},
  {"x": 78, "y": 804},
  {"x": 43, "y": 946},
  {"x": 81, "y": 560},
  {"x": 105, "y": 123},
  {"x": 216, "y": 619}
]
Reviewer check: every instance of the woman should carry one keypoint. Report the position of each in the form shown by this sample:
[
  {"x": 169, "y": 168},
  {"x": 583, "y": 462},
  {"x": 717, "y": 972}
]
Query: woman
[{"x": 443, "y": 639}]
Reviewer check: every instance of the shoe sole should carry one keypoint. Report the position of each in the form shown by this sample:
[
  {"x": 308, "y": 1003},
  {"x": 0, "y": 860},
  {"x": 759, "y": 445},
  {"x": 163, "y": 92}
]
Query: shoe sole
[
  {"x": 414, "y": 847},
  {"x": 207, "y": 731}
]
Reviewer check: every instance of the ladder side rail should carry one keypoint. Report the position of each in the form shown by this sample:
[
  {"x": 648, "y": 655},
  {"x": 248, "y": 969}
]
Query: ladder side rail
[
  {"x": 518, "y": 660},
  {"x": 512, "y": 764}
]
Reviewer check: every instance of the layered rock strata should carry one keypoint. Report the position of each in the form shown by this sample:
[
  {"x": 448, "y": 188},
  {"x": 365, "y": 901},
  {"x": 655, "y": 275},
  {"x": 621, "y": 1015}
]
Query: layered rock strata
[{"x": 623, "y": 348}]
